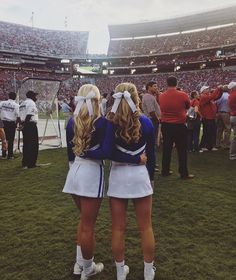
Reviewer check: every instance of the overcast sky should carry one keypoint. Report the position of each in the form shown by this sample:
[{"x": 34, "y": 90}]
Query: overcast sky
[{"x": 95, "y": 15}]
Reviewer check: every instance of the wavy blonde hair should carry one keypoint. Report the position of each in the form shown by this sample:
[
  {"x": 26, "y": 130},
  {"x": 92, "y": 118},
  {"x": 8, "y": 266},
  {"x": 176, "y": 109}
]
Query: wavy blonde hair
[
  {"x": 127, "y": 123},
  {"x": 83, "y": 123}
]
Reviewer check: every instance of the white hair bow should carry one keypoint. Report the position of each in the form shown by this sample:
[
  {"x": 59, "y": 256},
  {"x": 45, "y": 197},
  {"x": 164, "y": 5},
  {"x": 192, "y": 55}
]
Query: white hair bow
[
  {"x": 118, "y": 96},
  {"x": 80, "y": 101}
]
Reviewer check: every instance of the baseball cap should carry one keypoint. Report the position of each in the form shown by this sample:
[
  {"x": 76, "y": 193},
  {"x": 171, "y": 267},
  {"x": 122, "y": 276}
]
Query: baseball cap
[
  {"x": 231, "y": 85},
  {"x": 203, "y": 88}
]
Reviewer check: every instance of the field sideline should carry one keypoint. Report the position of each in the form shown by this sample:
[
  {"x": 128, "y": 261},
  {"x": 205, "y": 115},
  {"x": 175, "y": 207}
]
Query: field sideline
[{"x": 194, "y": 223}]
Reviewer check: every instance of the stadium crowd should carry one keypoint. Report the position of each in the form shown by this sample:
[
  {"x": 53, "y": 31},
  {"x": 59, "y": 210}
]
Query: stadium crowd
[
  {"x": 28, "y": 40},
  {"x": 188, "y": 81},
  {"x": 176, "y": 43}
]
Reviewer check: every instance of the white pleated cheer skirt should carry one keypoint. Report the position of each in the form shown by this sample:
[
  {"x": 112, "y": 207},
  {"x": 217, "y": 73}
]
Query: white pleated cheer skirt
[
  {"x": 129, "y": 181},
  {"x": 85, "y": 178}
]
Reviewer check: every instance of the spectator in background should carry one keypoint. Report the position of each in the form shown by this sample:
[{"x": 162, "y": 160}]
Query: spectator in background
[
  {"x": 193, "y": 123},
  {"x": 29, "y": 119},
  {"x": 9, "y": 114},
  {"x": 151, "y": 108},
  {"x": 67, "y": 111},
  {"x": 207, "y": 108},
  {"x": 232, "y": 107},
  {"x": 3, "y": 137},
  {"x": 223, "y": 121},
  {"x": 173, "y": 105}
]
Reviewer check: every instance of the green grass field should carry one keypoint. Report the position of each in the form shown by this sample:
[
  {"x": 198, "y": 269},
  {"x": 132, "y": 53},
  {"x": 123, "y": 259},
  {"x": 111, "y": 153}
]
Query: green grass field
[{"x": 194, "y": 223}]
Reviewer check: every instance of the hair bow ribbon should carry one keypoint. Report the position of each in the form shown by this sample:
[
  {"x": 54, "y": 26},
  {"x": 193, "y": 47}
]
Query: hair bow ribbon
[
  {"x": 127, "y": 96},
  {"x": 80, "y": 100}
]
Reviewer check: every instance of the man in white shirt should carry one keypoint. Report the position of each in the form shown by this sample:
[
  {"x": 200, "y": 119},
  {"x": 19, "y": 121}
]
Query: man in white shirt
[
  {"x": 9, "y": 114},
  {"x": 29, "y": 119}
]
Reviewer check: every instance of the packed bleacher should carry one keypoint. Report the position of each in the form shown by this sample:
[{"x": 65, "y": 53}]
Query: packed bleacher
[
  {"x": 29, "y": 40},
  {"x": 217, "y": 37},
  {"x": 188, "y": 81}
]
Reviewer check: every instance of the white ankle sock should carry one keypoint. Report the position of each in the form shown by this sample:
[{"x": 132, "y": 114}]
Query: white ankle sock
[
  {"x": 87, "y": 266},
  {"x": 120, "y": 268},
  {"x": 79, "y": 257},
  {"x": 148, "y": 267}
]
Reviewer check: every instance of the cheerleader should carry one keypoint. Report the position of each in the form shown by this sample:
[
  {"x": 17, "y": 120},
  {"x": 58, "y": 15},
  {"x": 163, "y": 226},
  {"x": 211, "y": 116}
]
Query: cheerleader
[
  {"x": 86, "y": 134},
  {"x": 131, "y": 179}
]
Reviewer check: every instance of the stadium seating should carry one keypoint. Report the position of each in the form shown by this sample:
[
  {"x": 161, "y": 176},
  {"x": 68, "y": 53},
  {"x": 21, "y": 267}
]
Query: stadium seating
[
  {"x": 28, "y": 40},
  {"x": 176, "y": 43},
  {"x": 188, "y": 81}
]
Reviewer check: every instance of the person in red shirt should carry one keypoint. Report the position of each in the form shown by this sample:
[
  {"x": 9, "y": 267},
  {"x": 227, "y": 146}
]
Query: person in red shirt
[
  {"x": 208, "y": 109},
  {"x": 232, "y": 106},
  {"x": 173, "y": 104}
]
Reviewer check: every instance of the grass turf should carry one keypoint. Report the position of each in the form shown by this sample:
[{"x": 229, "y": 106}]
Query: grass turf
[{"x": 193, "y": 221}]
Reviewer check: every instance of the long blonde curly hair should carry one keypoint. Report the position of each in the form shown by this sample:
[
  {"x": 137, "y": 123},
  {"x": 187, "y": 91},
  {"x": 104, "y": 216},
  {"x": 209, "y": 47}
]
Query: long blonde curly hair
[
  {"x": 127, "y": 123},
  {"x": 83, "y": 123}
]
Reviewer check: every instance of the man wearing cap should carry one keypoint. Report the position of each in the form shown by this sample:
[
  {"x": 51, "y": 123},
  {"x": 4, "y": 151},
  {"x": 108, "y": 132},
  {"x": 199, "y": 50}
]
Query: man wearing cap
[
  {"x": 29, "y": 119},
  {"x": 232, "y": 106},
  {"x": 9, "y": 114},
  {"x": 208, "y": 109}
]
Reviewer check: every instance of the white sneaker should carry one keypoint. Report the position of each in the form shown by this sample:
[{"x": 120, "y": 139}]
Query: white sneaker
[
  {"x": 150, "y": 275},
  {"x": 126, "y": 272},
  {"x": 78, "y": 269},
  {"x": 214, "y": 149},
  {"x": 96, "y": 268}
]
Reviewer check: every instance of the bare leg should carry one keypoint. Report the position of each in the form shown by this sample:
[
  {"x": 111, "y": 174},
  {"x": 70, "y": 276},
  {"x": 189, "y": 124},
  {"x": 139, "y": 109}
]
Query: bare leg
[
  {"x": 77, "y": 202},
  {"x": 118, "y": 208},
  {"x": 143, "y": 209},
  {"x": 85, "y": 236}
]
